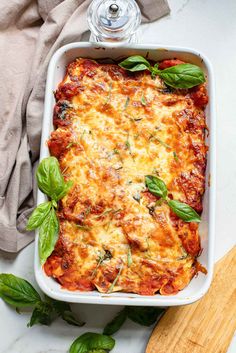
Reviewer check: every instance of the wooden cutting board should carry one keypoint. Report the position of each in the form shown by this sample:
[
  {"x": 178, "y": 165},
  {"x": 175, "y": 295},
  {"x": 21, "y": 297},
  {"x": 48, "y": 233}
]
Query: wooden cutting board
[{"x": 206, "y": 326}]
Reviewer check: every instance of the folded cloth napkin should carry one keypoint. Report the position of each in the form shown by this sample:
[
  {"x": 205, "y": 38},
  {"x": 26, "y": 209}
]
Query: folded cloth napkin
[{"x": 30, "y": 32}]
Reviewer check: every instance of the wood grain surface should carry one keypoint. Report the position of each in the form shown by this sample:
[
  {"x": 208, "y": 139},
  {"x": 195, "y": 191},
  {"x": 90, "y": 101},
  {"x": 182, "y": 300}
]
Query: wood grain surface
[{"x": 206, "y": 326}]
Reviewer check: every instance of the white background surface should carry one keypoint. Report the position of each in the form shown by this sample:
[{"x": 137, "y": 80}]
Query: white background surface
[{"x": 210, "y": 27}]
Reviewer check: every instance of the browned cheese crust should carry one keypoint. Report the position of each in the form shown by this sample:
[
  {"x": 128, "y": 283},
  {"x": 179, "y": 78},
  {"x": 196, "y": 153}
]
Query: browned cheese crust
[{"x": 114, "y": 127}]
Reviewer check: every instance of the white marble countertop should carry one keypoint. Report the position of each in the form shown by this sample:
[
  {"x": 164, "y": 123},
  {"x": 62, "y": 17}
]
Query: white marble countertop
[{"x": 210, "y": 27}]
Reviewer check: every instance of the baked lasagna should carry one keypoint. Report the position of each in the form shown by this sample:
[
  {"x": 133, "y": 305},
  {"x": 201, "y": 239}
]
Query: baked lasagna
[{"x": 112, "y": 128}]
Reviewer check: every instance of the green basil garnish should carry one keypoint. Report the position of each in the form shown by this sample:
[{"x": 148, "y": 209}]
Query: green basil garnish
[
  {"x": 92, "y": 342},
  {"x": 135, "y": 63},
  {"x": 64, "y": 311},
  {"x": 184, "y": 211},
  {"x": 114, "y": 325},
  {"x": 42, "y": 314},
  {"x": 38, "y": 215},
  {"x": 178, "y": 76},
  {"x": 48, "y": 235},
  {"x": 144, "y": 315},
  {"x": 156, "y": 186},
  {"x": 50, "y": 180},
  {"x": 182, "y": 76},
  {"x": 17, "y": 292}
]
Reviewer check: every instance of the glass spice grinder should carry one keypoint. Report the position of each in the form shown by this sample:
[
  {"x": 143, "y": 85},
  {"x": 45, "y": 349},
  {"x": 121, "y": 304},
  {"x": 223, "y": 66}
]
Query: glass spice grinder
[{"x": 113, "y": 20}]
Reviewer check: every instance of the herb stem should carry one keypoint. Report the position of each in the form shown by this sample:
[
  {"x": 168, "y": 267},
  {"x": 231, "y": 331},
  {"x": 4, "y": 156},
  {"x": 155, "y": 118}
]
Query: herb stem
[
  {"x": 160, "y": 141},
  {"x": 115, "y": 280},
  {"x": 126, "y": 103}
]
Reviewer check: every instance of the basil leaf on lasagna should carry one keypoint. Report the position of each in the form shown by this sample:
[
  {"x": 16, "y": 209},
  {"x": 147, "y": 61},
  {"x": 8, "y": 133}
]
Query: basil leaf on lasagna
[
  {"x": 184, "y": 211},
  {"x": 156, "y": 186},
  {"x": 17, "y": 291},
  {"x": 50, "y": 179},
  {"x": 182, "y": 76},
  {"x": 135, "y": 63},
  {"x": 48, "y": 235},
  {"x": 38, "y": 215},
  {"x": 65, "y": 190},
  {"x": 90, "y": 341}
]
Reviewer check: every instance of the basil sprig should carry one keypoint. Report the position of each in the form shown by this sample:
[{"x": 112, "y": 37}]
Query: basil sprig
[
  {"x": 142, "y": 315},
  {"x": 51, "y": 182},
  {"x": 19, "y": 293},
  {"x": 92, "y": 342},
  {"x": 42, "y": 314},
  {"x": 178, "y": 76},
  {"x": 158, "y": 188}
]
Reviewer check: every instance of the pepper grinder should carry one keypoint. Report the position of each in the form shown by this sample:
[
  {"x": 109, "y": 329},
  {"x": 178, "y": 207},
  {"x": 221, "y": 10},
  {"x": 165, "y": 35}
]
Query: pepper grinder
[{"x": 113, "y": 20}]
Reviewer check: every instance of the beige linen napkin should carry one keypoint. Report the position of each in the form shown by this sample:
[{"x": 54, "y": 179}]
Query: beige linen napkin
[{"x": 30, "y": 32}]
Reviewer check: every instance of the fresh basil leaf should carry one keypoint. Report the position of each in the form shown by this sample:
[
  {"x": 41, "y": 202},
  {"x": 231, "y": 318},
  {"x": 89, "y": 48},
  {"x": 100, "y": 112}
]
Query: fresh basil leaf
[
  {"x": 184, "y": 211},
  {"x": 138, "y": 67},
  {"x": 114, "y": 325},
  {"x": 64, "y": 311},
  {"x": 92, "y": 341},
  {"x": 182, "y": 76},
  {"x": 135, "y": 63},
  {"x": 67, "y": 187},
  {"x": 154, "y": 70},
  {"x": 70, "y": 318},
  {"x": 156, "y": 186},
  {"x": 42, "y": 314},
  {"x": 50, "y": 179},
  {"x": 48, "y": 235},
  {"x": 54, "y": 203},
  {"x": 38, "y": 215},
  {"x": 17, "y": 292},
  {"x": 97, "y": 351},
  {"x": 144, "y": 315}
]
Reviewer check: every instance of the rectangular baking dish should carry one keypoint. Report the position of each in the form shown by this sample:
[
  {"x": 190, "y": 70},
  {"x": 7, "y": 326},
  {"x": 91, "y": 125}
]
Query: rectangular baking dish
[{"x": 56, "y": 71}]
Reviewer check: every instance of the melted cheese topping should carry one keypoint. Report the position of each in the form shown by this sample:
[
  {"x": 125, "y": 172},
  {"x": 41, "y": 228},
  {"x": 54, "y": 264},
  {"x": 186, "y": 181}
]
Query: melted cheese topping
[{"x": 113, "y": 128}]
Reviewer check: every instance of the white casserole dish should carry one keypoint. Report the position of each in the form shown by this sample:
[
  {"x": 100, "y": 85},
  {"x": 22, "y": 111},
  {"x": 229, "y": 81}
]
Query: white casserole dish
[{"x": 56, "y": 71}]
